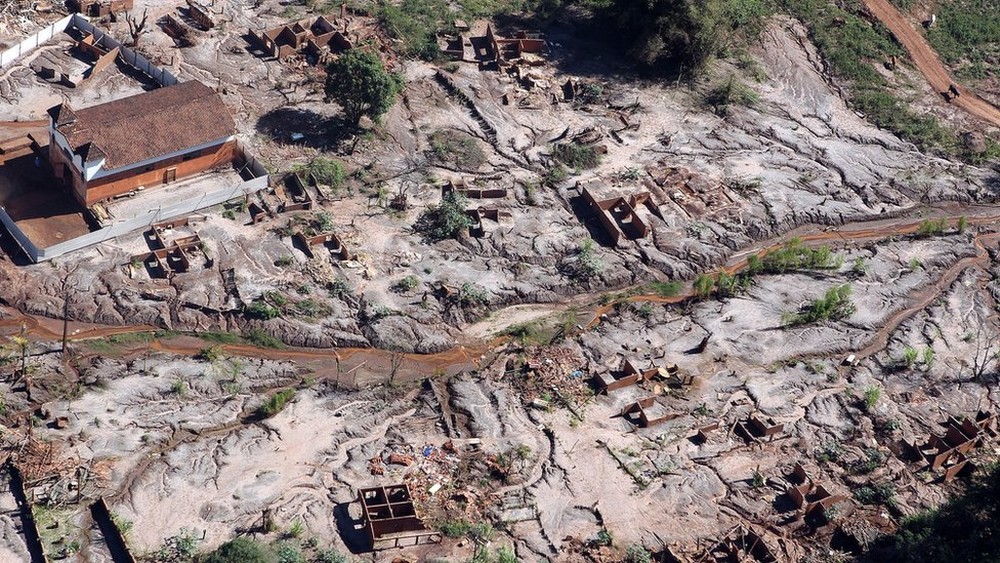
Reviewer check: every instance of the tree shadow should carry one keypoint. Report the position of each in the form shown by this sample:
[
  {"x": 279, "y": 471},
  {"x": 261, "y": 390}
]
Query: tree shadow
[{"x": 300, "y": 126}]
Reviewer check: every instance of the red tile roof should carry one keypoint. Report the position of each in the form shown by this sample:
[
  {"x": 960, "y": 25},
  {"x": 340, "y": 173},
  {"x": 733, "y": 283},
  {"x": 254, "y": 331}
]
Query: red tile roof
[{"x": 147, "y": 125}]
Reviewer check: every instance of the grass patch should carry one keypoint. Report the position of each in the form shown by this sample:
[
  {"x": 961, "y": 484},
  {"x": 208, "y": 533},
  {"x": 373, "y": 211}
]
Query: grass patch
[
  {"x": 732, "y": 93},
  {"x": 967, "y": 36},
  {"x": 117, "y": 342},
  {"x": 218, "y": 337},
  {"x": 261, "y": 339},
  {"x": 576, "y": 156},
  {"x": 275, "y": 403},
  {"x": 457, "y": 149},
  {"x": 834, "y": 305},
  {"x": 666, "y": 289}
]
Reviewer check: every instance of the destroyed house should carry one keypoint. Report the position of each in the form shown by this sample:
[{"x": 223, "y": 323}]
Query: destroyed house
[
  {"x": 99, "y": 8},
  {"x": 145, "y": 140},
  {"x": 311, "y": 35},
  {"x": 502, "y": 50}
]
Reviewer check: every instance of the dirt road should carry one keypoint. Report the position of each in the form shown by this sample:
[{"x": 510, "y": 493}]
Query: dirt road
[{"x": 928, "y": 63}]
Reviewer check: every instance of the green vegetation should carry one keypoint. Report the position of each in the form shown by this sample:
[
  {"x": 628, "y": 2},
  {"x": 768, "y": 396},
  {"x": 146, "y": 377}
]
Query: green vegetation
[
  {"x": 834, "y": 305},
  {"x": 114, "y": 342},
  {"x": 447, "y": 220},
  {"x": 406, "y": 285},
  {"x": 471, "y": 295},
  {"x": 931, "y": 227},
  {"x": 665, "y": 35},
  {"x": 967, "y": 35},
  {"x": 458, "y": 149},
  {"x": 881, "y": 493},
  {"x": 261, "y": 310},
  {"x": 360, "y": 83},
  {"x": 579, "y": 157},
  {"x": 241, "y": 550},
  {"x": 275, "y": 403},
  {"x": 261, "y": 339},
  {"x": 327, "y": 171},
  {"x": 637, "y": 554},
  {"x": 703, "y": 285},
  {"x": 853, "y": 47},
  {"x": 731, "y": 93},
  {"x": 872, "y": 460},
  {"x": 588, "y": 264},
  {"x": 965, "y": 528},
  {"x": 666, "y": 289},
  {"x": 217, "y": 337},
  {"x": 795, "y": 255},
  {"x": 871, "y": 397},
  {"x": 211, "y": 354}
]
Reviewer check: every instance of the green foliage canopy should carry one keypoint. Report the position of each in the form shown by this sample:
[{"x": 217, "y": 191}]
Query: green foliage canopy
[{"x": 360, "y": 83}]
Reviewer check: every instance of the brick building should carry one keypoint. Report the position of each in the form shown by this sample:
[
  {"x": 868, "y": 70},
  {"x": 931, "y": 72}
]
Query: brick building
[{"x": 144, "y": 140}]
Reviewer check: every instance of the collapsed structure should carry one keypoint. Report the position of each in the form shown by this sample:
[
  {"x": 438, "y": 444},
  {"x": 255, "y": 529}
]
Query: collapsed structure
[
  {"x": 623, "y": 214},
  {"x": 314, "y": 36},
  {"x": 152, "y": 138},
  {"x": 99, "y": 8},
  {"x": 390, "y": 519}
]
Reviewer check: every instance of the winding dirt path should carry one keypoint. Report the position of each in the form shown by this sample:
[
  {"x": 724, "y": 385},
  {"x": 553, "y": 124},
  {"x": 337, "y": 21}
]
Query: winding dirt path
[{"x": 928, "y": 62}]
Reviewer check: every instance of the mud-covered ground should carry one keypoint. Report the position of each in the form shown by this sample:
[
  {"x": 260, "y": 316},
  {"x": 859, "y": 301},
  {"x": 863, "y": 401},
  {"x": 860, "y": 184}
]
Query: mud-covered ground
[{"x": 168, "y": 429}]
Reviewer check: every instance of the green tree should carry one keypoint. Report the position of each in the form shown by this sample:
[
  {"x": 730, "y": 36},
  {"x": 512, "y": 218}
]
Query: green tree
[
  {"x": 447, "y": 220},
  {"x": 687, "y": 33},
  {"x": 240, "y": 550},
  {"x": 360, "y": 83}
]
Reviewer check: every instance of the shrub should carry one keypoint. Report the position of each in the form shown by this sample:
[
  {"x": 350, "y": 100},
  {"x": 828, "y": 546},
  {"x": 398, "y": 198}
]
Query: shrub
[
  {"x": 261, "y": 339},
  {"x": 261, "y": 310},
  {"x": 455, "y": 528},
  {"x": 703, "y": 285},
  {"x": 405, "y": 285},
  {"x": 930, "y": 227},
  {"x": 212, "y": 354},
  {"x": 733, "y": 92},
  {"x": 576, "y": 156},
  {"x": 871, "y": 397},
  {"x": 330, "y": 556},
  {"x": 834, "y": 305},
  {"x": 470, "y": 295},
  {"x": 882, "y": 493},
  {"x": 328, "y": 171},
  {"x": 288, "y": 553},
  {"x": 458, "y": 149},
  {"x": 447, "y": 220},
  {"x": 240, "y": 550},
  {"x": 275, "y": 403},
  {"x": 338, "y": 287},
  {"x": 637, "y": 554},
  {"x": 587, "y": 262},
  {"x": 666, "y": 289}
]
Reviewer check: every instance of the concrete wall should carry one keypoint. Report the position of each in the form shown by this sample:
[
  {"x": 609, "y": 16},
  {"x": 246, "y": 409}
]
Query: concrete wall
[
  {"x": 128, "y": 56},
  {"x": 153, "y": 216},
  {"x": 27, "y": 45}
]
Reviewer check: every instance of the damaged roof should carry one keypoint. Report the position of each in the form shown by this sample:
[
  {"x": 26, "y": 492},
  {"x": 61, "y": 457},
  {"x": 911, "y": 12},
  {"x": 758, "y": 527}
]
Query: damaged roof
[{"x": 147, "y": 125}]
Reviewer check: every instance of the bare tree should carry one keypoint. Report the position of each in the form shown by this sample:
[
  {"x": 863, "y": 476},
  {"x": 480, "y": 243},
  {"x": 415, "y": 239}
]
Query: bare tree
[
  {"x": 984, "y": 360},
  {"x": 136, "y": 28}
]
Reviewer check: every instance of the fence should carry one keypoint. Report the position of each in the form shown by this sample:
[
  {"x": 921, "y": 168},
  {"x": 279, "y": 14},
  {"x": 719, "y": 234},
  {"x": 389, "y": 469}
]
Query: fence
[
  {"x": 162, "y": 76},
  {"x": 155, "y": 216},
  {"x": 26, "y": 46},
  {"x": 26, "y": 245}
]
